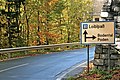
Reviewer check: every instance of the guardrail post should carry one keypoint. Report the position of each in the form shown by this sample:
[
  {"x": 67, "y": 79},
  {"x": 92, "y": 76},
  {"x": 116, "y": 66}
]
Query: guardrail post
[
  {"x": 9, "y": 55},
  {"x": 25, "y": 52}
]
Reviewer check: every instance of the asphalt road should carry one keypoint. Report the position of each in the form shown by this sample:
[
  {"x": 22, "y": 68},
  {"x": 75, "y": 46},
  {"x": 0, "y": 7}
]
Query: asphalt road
[{"x": 42, "y": 67}]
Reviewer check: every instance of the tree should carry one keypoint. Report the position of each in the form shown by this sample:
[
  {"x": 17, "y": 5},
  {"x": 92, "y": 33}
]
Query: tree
[
  {"x": 76, "y": 11},
  {"x": 50, "y": 21}
]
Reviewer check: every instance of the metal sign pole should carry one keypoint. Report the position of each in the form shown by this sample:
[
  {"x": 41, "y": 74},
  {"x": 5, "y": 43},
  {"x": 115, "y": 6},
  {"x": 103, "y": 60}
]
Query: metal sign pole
[
  {"x": 88, "y": 58},
  {"x": 108, "y": 57}
]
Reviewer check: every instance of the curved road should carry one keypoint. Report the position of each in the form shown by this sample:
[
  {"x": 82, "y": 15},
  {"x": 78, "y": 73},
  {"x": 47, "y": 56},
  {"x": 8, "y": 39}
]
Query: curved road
[{"x": 42, "y": 67}]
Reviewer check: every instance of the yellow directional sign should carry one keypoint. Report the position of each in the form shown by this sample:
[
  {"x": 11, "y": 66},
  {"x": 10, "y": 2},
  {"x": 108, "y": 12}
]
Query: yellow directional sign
[{"x": 97, "y": 32}]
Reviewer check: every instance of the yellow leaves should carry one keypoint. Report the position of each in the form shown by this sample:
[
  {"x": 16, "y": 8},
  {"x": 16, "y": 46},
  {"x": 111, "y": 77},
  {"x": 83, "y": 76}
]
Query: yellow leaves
[
  {"x": 34, "y": 43},
  {"x": 42, "y": 38},
  {"x": 52, "y": 35},
  {"x": 32, "y": 26},
  {"x": 65, "y": 14},
  {"x": 52, "y": 2},
  {"x": 49, "y": 5},
  {"x": 49, "y": 35},
  {"x": 43, "y": 19}
]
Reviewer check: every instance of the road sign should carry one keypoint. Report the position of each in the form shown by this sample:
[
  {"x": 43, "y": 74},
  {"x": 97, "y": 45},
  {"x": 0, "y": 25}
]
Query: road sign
[{"x": 98, "y": 32}]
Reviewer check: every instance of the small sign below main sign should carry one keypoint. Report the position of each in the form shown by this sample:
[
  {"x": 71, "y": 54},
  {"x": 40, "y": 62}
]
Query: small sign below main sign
[{"x": 98, "y": 32}]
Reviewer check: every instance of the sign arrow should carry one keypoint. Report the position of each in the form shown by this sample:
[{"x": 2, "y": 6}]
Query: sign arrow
[
  {"x": 85, "y": 33},
  {"x": 93, "y": 37}
]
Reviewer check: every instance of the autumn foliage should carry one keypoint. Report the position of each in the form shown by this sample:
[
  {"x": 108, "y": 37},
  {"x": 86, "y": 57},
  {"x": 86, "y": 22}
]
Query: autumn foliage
[{"x": 47, "y": 21}]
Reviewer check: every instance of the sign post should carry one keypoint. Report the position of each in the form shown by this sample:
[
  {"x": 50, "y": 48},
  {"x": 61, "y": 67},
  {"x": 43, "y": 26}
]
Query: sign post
[
  {"x": 98, "y": 33},
  {"x": 88, "y": 58},
  {"x": 108, "y": 57}
]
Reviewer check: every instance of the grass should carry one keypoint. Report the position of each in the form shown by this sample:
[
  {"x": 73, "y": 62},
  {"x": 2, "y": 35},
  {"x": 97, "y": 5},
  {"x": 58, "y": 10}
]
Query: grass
[{"x": 98, "y": 74}]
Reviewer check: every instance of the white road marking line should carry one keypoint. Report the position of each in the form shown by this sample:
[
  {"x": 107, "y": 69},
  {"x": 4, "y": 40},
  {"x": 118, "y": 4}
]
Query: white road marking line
[
  {"x": 70, "y": 71},
  {"x": 13, "y": 67},
  {"x": 81, "y": 65}
]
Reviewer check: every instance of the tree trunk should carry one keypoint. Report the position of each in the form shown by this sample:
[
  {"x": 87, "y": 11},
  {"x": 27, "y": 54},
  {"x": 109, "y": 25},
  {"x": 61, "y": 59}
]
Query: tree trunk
[
  {"x": 0, "y": 38},
  {"x": 47, "y": 22},
  {"x": 38, "y": 40},
  {"x": 27, "y": 23}
]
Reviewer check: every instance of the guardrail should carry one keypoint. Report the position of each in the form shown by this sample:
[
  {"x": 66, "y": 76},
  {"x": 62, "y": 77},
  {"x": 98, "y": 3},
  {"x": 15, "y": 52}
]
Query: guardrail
[{"x": 7, "y": 52}]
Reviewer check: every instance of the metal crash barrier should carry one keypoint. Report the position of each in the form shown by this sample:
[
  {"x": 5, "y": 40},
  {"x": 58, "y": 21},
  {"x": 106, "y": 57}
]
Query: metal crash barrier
[{"x": 6, "y": 53}]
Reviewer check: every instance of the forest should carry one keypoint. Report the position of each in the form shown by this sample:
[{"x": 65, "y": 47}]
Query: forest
[{"x": 42, "y": 22}]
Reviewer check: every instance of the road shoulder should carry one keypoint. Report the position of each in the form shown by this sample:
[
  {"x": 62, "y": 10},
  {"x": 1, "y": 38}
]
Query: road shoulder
[{"x": 73, "y": 71}]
